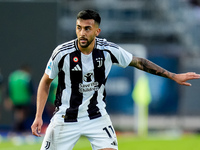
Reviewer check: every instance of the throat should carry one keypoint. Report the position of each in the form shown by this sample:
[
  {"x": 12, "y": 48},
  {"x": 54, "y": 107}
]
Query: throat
[{"x": 86, "y": 50}]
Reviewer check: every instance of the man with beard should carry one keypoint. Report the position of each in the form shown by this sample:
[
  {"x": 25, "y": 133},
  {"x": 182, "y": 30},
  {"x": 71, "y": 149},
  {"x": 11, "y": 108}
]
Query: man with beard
[{"x": 82, "y": 66}]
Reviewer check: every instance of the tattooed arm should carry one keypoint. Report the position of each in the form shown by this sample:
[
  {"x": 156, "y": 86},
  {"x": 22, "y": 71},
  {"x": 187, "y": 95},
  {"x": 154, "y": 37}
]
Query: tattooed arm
[{"x": 150, "y": 67}]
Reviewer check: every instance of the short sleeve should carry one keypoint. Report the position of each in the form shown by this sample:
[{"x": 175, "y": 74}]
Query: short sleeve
[
  {"x": 52, "y": 67},
  {"x": 119, "y": 56},
  {"x": 124, "y": 57}
]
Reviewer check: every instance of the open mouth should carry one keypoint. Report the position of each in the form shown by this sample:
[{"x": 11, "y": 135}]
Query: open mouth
[{"x": 83, "y": 40}]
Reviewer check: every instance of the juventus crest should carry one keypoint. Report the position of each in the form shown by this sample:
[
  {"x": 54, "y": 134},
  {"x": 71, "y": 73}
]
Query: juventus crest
[{"x": 100, "y": 61}]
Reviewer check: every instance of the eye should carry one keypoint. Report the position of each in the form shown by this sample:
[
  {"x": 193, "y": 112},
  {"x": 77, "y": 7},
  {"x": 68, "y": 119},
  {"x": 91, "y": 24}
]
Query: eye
[
  {"x": 87, "y": 28},
  {"x": 78, "y": 28}
]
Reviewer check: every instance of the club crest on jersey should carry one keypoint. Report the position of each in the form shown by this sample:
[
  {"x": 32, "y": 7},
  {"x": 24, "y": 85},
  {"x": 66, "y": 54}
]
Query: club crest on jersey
[
  {"x": 100, "y": 61},
  {"x": 47, "y": 145},
  {"x": 75, "y": 59}
]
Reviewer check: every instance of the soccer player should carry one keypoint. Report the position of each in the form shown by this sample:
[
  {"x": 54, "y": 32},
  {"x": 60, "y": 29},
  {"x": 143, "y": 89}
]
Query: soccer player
[
  {"x": 82, "y": 66},
  {"x": 20, "y": 94}
]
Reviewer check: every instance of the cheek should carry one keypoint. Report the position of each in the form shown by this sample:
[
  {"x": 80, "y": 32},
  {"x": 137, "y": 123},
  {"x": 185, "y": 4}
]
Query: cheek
[{"x": 76, "y": 32}]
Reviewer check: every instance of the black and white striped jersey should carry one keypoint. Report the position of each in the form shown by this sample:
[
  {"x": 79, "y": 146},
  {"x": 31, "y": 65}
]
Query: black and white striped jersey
[{"x": 82, "y": 78}]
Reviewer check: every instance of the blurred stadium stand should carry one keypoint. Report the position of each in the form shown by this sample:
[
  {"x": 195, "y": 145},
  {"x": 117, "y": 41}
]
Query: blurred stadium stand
[
  {"x": 148, "y": 22},
  {"x": 169, "y": 29}
]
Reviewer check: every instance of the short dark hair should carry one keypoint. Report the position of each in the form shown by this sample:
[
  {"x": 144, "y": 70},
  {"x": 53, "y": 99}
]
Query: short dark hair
[{"x": 89, "y": 14}]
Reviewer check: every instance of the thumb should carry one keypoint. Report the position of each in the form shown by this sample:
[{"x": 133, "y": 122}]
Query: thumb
[{"x": 39, "y": 128}]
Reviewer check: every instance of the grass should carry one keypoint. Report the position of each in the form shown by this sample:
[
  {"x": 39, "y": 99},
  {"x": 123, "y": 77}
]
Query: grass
[{"x": 190, "y": 142}]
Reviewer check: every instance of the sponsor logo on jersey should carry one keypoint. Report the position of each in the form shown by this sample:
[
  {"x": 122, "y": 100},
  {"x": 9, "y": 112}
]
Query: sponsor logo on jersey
[
  {"x": 76, "y": 68},
  {"x": 88, "y": 77},
  {"x": 88, "y": 87},
  {"x": 114, "y": 143}
]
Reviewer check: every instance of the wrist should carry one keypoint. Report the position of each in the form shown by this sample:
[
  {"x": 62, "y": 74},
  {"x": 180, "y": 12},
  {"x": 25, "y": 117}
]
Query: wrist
[
  {"x": 38, "y": 116},
  {"x": 172, "y": 76}
]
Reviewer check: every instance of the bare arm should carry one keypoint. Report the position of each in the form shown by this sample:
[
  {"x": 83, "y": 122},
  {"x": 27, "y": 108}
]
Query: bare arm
[
  {"x": 150, "y": 67},
  {"x": 42, "y": 95}
]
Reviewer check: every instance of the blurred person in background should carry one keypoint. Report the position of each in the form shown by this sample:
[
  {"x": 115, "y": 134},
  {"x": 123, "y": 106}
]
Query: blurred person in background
[
  {"x": 1, "y": 83},
  {"x": 195, "y": 2},
  {"x": 1, "y": 89},
  {"x": 82, "y": 66},
  {"x": 20, "y": 95},
  {"x": 196, "y": 9}
]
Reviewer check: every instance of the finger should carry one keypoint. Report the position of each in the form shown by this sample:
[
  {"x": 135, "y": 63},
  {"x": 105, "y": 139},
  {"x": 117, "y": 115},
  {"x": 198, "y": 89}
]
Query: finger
[
  {"x": 34, "y": 131},
  {"x": 187, "y": 84},
  {"x": 196, "y": 76},
  {"x": 39, "y": 129},
  {"x": 193, "y": 75},
  {"x": 38, "y": 133}
]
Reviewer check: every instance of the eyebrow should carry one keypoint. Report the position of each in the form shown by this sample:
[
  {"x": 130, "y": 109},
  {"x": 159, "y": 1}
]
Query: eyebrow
[{"x": 84, "y": 26}]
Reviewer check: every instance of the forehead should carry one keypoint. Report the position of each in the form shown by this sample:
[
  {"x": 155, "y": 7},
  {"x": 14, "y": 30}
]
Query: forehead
[{"x": 87, "y": 22}]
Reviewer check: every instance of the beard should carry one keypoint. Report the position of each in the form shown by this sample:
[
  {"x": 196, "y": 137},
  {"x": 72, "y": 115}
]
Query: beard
[{"x": 86, "y": 43}]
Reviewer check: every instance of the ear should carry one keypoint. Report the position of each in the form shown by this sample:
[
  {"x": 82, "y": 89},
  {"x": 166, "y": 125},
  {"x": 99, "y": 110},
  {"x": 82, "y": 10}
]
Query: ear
[{"x": 98, "y": 31}]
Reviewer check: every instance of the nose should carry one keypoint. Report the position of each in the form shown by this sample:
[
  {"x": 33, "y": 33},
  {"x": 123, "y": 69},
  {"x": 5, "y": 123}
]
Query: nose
[{"x": 82, "y": 32}]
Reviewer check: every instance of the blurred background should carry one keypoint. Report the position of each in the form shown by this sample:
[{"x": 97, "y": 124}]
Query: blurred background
[{"x": 168, "y": 32}]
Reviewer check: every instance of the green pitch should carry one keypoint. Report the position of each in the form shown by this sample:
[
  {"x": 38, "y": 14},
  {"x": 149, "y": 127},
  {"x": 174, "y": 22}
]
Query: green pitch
[{"x": 125, "y": 143}]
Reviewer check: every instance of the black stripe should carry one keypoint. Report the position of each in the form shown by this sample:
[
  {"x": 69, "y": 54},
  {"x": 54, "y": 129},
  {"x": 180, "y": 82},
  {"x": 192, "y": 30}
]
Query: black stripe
[
  {"x": 113, "y": 45},
  {"x": 104, "y": 93},
  {"x": 68, "y": 43},
  {"x": 105, "y": 43},
  {"x": 61, "y": 83},
  {"x": 113, "y": 58},
  {"x": 99, "y": 76},
  {"x": 99, "y": 40},
  {"x": 93, "y": 110},
  {"x": 66, "y": 48},
  {"x": 76, "y": 97},
  {"x": 63, "y": 48},
  {"x": 99, "y": 72}
]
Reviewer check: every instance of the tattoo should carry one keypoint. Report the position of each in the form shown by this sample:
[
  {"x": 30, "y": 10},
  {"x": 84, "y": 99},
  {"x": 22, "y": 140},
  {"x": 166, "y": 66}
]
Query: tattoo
[{"x": 150, "y": 67}]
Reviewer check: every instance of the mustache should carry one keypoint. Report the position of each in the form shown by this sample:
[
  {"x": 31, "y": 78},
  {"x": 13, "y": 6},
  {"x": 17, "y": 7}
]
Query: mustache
[{"x": 83, "y": 38}]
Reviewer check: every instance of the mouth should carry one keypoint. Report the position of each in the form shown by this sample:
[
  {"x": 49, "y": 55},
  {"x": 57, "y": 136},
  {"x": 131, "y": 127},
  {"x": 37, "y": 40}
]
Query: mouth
[{"x": 83, "y": 40}]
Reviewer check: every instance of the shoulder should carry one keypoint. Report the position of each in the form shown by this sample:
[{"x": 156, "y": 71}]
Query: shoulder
[
  {"x": 64, "y": 49},
  {"x": 103, "y": 44}
]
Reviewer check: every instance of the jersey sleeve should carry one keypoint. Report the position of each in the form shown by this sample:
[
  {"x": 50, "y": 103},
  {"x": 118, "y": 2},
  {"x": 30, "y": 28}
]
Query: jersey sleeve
[
  {"x": 52, "y": 66},
  {"x": 124, "y": 57},
  {"x": 119, "y": 56}
]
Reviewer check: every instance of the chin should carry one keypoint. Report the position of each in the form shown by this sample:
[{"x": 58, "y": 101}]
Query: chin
[{"x": 84, "y": 46}]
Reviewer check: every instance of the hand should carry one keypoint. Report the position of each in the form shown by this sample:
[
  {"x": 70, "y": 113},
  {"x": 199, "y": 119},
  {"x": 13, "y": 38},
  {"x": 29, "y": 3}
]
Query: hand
[
  {"x": 182, "y": 78},
  {"x": 36, "y": 127}
]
